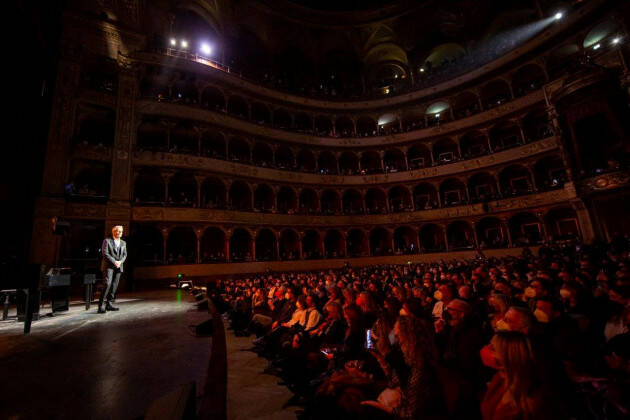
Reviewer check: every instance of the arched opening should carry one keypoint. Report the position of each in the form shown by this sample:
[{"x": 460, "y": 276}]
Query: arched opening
[
  {"x": 357, "y": 243},
  {"x": 425, "y": 197},
  {"x": 419, "y": 156},
  {"x": 184, "y": 90},
  {"x": 482, "y": 187},
  {"x": 413, "y": 119},
  {"x": 303, "y": 123},
  {"x": 460, "y": 235},
  {"x": 330, "y": 202},
  {"x": 504, "y": 136},
  {"x": 213, "y": 246},
  {"x": 438, "y": 113},
  {"x": 380, "y": 242},
  {"x": 344, "y": 127},
  {"x": 474, "y": 144},
  {"x": 550, "y": 173},
  {"x": 212, "y": 194},
  {"x": 310, "y": 245},
  {"x": 287, "y": 200},
  {"x": 152, "y": 135},
  {"x": 181, "y": 246},
  {"x": 323, "y": 126},
  {"x": 352, "y": 202},
  {"x": 491, "y": 234},
  {"x": 262, "y": 155},
  {"x": 495, "y": 93},
  {"x": 184, "y": 139},
  {"x": 182, "y": 190},
  {"x": 445, "y": 151},
  {"x": 284, "y": 157},
  {"x": 371, "y": 163},
  {"x": 95, "y": 125},
  {"x": 327, "y": 163},
  {"x": 309, "y": 203},
  {"x": 334, "y": 244},
  {"x": 306, "y": 161},
  {"x": 240, "y": 196},
  {"x": 149, "y": 187},
  {"x": 432, "y": 238},
  {"x": 562, "y": 224},
  {"x": 212, "y": 98},
  {"x": 266, "y": 245},
  {"x": 525, "y": 229},
  {"x": 238, "y": 107},
  {"x": 453, "y": 192},
  {"x": 376, "y": 201},
  {"x": 405, "y": 241},
  {"x": 89, "y": 180},
  {"x": 366, "y": 127},
  {"x": 238, "y": 150},
  {"x": 388, "y": 124},
  {"x": 289, "y": 245},
  {"x": 282, "y": 119},
  {"x": 240, "y": 245},
  {"x": 349, "y": 163},
  {"x": 465, "y": 105},
  {"x": 155, "y": 85},
  {"x": 149, "y": 244},
  {"x": 400, "y": 199},
  {"x": 536, "y": 126},
  {"x": 527, "y": 79},
  {"x": 561, "y": 60},
  {"x": 394, "y": 161},
  {"x": 260, "y": 113},
  {"x": 213, "y": 144},
  {"x": 263, "y": 198},
  {"x": 515, "y": 180}
]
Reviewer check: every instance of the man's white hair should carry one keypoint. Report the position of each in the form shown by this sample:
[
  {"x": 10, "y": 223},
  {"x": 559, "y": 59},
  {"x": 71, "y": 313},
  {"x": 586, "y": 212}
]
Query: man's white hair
[{"x": 118, "y": 226}]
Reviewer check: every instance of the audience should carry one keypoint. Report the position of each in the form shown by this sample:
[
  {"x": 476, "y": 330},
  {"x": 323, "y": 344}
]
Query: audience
[{"x": 527, "y": 337}]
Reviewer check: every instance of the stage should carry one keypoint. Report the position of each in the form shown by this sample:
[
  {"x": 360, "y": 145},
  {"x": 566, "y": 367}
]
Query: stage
[{"x": 80, "y": 364}]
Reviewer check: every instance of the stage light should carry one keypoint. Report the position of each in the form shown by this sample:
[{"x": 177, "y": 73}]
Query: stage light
[
  {"x": 421, "y": 69},
  {"x": 205, "y": 48},
  {"x": 596, "y": 46},
  {"x": 558, "y": 16},
  {"x": 616, "y": 41},
  {"x": 173, "y": 42},
  {"x": 437, "y": 115},
  {"x": 386, "y": 91},
  {"x": 184, "y": 43}
]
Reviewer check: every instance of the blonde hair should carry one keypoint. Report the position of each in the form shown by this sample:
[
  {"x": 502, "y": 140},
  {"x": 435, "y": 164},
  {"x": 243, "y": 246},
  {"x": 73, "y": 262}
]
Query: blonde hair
[{"x": 514, "y": 353}]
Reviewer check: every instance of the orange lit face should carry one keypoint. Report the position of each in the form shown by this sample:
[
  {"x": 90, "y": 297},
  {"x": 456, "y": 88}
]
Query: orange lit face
[{"x": 117, "y": 232}]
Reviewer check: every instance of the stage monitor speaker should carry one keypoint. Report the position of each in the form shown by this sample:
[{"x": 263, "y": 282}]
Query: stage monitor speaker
[
  {"x": 179, "y": 404},
  {"x": 34, "y": 300},
  {"x": 204, "y": 329}
]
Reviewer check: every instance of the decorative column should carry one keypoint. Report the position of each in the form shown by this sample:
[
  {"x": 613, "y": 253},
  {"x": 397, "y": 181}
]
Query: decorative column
[
  {"x": 506, "y": 227},
  {"x": 164, "y": 241},
  {"x": 198, "y": 234},
  {"x": 277, "y": 246},
  {"x": 300, "y": 237},
  {"x": 166, "y": 176},
  {"x": 532, "y": 175},
  {"x": 199, "y": 179},
  {"x": 228, "y": 234},
  {"x": 444, "y": 231},
  {"x": 584, "y": 220},
  {"x": 475, "y": 236}
]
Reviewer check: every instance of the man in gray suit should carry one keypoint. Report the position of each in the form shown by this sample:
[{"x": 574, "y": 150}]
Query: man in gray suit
[{"x": 114, "y": 252}]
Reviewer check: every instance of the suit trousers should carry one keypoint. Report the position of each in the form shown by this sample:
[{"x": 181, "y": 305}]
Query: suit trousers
[{"x": 111, "y": 276}]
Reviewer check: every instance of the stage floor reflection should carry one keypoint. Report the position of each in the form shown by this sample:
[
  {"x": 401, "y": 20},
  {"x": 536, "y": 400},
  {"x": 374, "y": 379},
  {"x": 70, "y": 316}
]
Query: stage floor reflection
[{"x": 80, "y": 364}]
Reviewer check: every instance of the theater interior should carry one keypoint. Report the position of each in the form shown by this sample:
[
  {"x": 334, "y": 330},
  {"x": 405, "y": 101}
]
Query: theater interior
[{"x": 395, "y": 209}]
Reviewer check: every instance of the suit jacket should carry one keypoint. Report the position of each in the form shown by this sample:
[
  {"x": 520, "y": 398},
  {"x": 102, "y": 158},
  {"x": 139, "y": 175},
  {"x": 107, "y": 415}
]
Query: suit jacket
[{"x": 110, "y": 254}]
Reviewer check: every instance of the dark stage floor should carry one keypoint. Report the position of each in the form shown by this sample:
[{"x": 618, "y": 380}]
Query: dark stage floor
[{"x": 84, "y": 365}]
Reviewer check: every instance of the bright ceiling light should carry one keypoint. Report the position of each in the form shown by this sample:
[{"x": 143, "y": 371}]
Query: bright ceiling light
[
  {"x": 205, "y": 48},
  {"x": 173, "y": 42},
  {"x": 596, "y": 46},
  {"x": 616, "y": 41},
  {"x": 184, "y": 43}
]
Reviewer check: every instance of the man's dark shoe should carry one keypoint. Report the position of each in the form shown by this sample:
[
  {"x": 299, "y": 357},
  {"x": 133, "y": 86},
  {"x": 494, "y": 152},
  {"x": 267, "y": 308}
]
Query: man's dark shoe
[
  {"x": 112, "y": 308},
  {"x": 101, "y": 311}
]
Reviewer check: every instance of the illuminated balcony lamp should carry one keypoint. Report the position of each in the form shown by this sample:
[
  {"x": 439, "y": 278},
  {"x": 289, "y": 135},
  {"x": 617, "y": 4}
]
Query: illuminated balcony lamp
[
  {"x": 184, "y": 44},
  {"x": 421, "y": 69},
  {"x": 173, "y": 42},
  {"x": 206, "y": 49},
  {"x": 596, "y": 46},
  {"x": 616, "y": 40}
]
